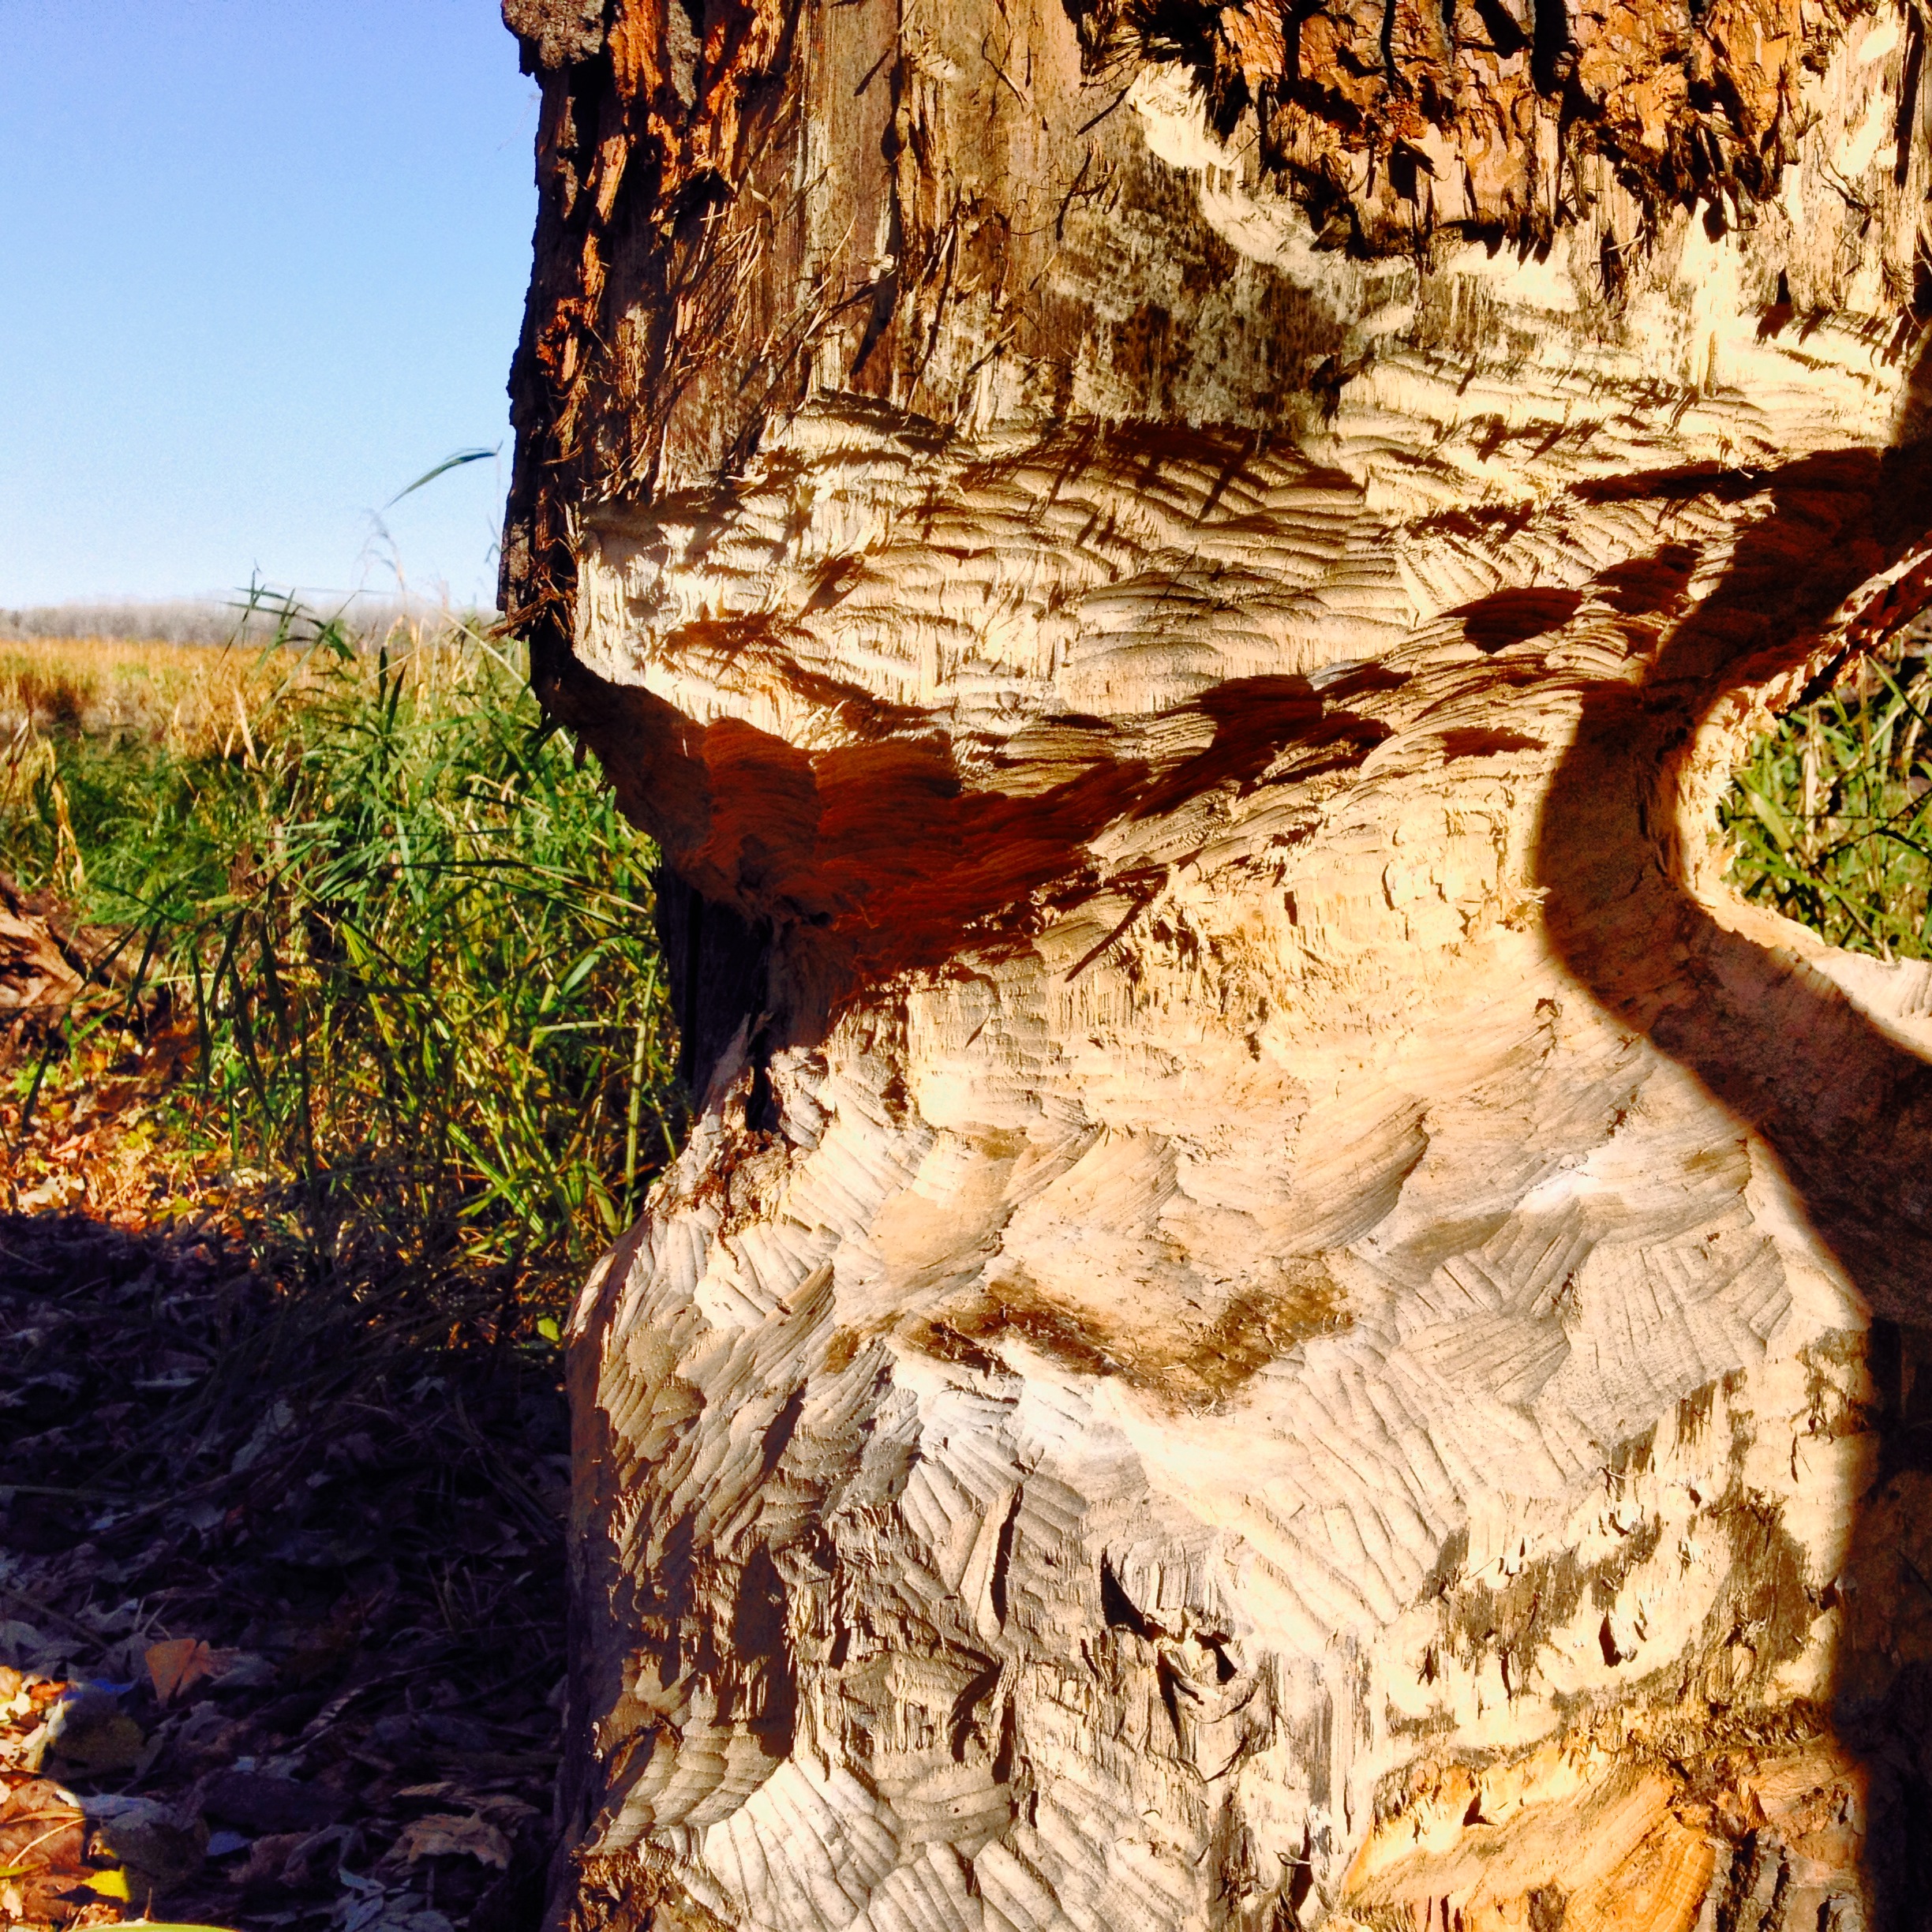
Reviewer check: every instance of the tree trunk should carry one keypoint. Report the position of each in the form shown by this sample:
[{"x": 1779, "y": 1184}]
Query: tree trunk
[{"x": 1280, "y": 1311}]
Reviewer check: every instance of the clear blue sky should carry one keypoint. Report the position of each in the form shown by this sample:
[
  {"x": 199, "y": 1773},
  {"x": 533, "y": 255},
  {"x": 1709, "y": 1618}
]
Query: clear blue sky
[{"x": 262, "y": 263}]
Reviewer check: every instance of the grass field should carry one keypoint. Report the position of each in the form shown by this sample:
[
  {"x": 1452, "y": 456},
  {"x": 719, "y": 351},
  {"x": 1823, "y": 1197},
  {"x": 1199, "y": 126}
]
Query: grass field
[{"x": 399, "y": 948}]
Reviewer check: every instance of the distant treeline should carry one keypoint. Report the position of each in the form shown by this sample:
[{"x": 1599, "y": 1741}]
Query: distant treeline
[{"x": 211, "y": 621}]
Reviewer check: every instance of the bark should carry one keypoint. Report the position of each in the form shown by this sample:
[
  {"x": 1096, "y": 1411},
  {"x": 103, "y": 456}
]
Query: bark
[{"x": 1280, "y": 1311}]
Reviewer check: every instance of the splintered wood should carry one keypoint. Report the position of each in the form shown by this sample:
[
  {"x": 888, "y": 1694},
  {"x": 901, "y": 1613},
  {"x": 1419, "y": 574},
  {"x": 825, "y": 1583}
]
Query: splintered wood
[{"x": 1280, "y": 1311}]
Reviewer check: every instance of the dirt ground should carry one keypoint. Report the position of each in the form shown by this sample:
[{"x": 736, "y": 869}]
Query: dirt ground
[
  {"x": 281, "y": 1601},
  {"x": 262, "y": 1661}
]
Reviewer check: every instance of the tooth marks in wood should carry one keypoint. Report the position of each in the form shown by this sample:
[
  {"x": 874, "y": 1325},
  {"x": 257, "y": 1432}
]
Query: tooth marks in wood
[{"x": 1269, "y": 1315}]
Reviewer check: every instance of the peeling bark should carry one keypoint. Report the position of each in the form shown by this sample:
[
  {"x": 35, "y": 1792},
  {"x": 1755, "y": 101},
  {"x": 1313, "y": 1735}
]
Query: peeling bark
[{"x": 1280, "y": 1310}]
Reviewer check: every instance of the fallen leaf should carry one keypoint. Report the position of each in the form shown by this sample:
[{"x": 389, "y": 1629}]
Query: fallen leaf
[
  {"x": 19, "y": 1639},
  {"x": 241, "y": 1670},
  {"x": 24, "y": 1751},
  {"x": 278, "y": 1858},
  {"x": 176, "y": 1665},
  {"x": 446, "y": 1833},
  {"x": 39, "y": 1798}
]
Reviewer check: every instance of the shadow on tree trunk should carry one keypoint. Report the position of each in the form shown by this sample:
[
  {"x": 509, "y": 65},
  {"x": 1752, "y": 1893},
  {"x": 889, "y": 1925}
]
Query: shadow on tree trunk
[{"x": 1844, "y": 1108}]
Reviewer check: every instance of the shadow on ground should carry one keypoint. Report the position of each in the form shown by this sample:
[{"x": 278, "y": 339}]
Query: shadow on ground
[{"x": 281, "y": 1612}]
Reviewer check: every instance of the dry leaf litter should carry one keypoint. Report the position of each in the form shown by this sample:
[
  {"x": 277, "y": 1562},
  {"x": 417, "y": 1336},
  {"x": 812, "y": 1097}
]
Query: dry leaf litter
[{"x": 281, "y": 1635}]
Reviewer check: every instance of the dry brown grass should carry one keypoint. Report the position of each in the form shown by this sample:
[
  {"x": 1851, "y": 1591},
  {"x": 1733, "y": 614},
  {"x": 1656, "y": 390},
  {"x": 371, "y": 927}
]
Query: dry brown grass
[
  {"x": 189, "y": 697},
  {"x": 193, "y": 699},
  {"x": 183, "y": 700}
]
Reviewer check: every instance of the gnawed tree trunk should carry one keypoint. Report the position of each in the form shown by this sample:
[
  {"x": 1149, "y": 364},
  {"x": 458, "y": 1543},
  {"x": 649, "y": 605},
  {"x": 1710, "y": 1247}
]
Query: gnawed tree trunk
[{"x": 1280, "y": 1310}]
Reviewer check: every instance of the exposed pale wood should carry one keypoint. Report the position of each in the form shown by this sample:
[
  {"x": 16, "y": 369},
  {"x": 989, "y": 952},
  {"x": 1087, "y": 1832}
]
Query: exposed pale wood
[{"x": 1281, "y": 1310}]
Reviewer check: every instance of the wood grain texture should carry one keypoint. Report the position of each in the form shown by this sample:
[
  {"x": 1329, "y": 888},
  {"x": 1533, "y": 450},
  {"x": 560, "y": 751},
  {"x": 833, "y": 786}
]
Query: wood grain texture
[{"x": 1280, "y": 1311}]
